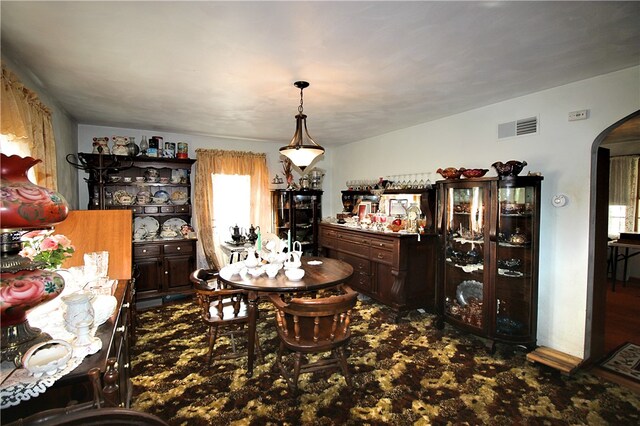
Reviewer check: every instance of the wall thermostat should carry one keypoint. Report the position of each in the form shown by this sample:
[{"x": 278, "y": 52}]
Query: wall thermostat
[{"x": 559, "y": 200}]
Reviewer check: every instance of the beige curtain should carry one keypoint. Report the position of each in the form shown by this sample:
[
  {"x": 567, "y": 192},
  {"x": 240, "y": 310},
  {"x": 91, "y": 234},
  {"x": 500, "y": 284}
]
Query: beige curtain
[
  {"x": 213, "y": 161},
  {"x": 623, "y": 186},
  {"x": 26, "y": 120}
]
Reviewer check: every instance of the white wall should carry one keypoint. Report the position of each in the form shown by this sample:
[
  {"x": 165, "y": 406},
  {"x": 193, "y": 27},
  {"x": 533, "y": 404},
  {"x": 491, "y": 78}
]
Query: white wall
[
  {"x": 64, "y": 131},
  {"x": 561, "y": 151},
  {"x": 86, "y": 133}
]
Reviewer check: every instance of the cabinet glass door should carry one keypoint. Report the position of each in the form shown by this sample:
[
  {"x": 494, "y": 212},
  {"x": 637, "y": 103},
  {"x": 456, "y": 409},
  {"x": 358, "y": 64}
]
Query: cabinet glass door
[
  {"x": 306, "y": 211},
  {"x": 465, "y": 251},
  {"x": 515, "y": 278},
  {"x": 281, "y": 215}
]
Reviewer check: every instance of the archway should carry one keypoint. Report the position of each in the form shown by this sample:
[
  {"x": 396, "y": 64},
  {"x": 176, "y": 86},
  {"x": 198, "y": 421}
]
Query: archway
[{"x": 598, "y": 218}]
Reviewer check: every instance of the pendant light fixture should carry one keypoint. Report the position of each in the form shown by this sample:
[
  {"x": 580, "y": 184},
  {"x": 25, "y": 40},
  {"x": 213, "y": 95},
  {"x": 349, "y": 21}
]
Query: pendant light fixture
[{"x": 302, "y": 150}]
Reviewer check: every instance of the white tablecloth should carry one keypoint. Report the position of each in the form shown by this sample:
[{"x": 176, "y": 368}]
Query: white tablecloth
[{"x": 16, "y": 383}]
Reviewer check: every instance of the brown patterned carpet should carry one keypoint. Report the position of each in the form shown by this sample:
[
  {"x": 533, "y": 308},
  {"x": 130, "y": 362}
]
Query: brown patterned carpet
[{"x": 404, "y": 374}]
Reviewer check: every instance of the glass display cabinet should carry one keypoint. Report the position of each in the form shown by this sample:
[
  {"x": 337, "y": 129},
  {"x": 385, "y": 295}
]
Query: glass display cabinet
[
  {"x": 297, "y": 213},
  {"x": 488, "y": 280}
]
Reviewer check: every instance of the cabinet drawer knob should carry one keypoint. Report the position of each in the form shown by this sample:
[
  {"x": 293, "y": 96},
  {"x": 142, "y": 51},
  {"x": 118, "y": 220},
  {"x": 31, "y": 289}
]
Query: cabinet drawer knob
[
  {"x": 381, "y": 244},
  {"x": 126, "y": 305},
  {"x": 120, "y": 329},
  {"x": 166, "y": 272},
  {"x": 144, "y": 250},
  {"x": 178, "y": 248},
  {"x": 126, "y": 365},
  {"x": 380, "y": 256}
]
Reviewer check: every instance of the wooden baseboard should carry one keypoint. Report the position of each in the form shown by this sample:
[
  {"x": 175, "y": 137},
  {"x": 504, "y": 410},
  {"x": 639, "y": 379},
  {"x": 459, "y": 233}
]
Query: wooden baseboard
[{"x": 565, "y": 363}]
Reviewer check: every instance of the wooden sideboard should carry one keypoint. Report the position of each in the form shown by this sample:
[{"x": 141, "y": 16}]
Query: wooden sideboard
[
  {"x": 89, "y": 231},
  {"x": 398, "y": 270}
]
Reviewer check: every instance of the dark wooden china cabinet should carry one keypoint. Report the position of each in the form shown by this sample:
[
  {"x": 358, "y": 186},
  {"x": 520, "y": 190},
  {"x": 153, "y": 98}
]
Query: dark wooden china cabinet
[
  {"x": 157, "y": 191},
  {"x": 297, "y": 213},
  {"x": 488, "y": 279}
]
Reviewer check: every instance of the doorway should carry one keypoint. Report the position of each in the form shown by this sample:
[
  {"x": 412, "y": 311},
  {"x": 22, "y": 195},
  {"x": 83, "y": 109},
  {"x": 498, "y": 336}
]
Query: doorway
[{"x": 625, "y": 131}]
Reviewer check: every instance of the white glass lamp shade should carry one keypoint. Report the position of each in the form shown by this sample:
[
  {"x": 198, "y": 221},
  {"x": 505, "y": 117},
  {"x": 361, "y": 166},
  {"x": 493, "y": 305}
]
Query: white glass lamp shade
[{"x": 302, "y": 150}]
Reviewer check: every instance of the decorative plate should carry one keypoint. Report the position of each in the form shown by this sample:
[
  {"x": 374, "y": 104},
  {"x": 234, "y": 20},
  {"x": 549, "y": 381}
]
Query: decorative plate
[
  {"x": 468, "y": 290},
  {"x": 120, "y": 193},
  {"x": 175, "y": 223},
  {"x": 179, "y": 196},
  {"x": 163, "y": 195},
  {"x": 148, "y": 223}
]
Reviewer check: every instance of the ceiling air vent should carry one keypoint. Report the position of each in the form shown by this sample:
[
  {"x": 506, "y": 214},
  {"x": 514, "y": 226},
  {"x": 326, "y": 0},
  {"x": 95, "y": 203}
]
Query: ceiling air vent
[{"x": 522, "y": 127}]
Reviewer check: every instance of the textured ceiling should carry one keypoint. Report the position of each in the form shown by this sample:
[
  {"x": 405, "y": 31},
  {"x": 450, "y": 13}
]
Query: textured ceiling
[{"x": 227, "y": 68}]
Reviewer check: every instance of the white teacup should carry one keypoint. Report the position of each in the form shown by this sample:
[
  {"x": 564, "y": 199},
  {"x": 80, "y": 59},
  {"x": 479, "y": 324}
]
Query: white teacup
[
  {"x": 294, "y": 274},
  {"x": 272, "y": 269}
]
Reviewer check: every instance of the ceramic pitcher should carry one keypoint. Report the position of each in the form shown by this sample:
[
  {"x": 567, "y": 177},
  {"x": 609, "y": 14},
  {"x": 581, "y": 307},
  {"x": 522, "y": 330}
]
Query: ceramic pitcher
[
  {"x": 252, "y": 260},
  {"x": 78, "y": 310}
]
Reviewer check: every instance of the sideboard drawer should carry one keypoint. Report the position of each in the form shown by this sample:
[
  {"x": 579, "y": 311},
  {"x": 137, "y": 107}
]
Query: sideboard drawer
[
  {"x": 383, "y": 244},
  {"x": 354, "y": 238},
  {"x": 148, "y": 250},
  {"x": 354, "y": 248},
  {"x": 359, "y": 264},
  {"x": 382, "y": 256},
  {"x": 178, "y": 248},
  {"x": 361, "y": 281},
  {"x": 328, "y": 233},
  {"x": 327, "y": 242}
]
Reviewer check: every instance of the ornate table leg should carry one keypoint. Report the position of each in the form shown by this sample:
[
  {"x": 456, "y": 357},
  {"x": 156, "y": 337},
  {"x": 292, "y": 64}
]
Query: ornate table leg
[{"x": 251, "y": 341}]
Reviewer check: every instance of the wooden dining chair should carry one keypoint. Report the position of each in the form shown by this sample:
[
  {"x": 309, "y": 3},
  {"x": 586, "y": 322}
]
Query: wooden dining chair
[
  {"x": 314, "y": 325},
  {"x": 221, "y": 306}
]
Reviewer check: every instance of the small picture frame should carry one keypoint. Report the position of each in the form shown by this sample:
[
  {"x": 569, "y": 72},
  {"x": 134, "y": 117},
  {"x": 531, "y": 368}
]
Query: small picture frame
[
  {"x": 364, "y": 208},
  {"x": 398, "y": 206}
]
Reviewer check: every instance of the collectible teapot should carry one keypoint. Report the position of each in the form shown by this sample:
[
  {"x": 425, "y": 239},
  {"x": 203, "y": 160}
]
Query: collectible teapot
[
  {"x": 293, "y": 261},
  {"x": 253, "y": 236},
  {"x": 236, "y": 233}
]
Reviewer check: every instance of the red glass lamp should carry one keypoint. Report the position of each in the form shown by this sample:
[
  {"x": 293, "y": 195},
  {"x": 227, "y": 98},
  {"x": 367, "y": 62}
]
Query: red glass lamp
[{"x": 24, "y": 284}]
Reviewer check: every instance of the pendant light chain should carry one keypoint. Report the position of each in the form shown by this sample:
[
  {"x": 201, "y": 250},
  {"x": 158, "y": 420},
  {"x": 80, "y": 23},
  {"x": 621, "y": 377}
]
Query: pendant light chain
[{"x": 300, "y": 109}]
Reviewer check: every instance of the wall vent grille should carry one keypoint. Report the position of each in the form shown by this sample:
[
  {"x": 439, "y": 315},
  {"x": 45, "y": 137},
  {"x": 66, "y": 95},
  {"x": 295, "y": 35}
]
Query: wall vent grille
[{"x": 522, "y": 127}]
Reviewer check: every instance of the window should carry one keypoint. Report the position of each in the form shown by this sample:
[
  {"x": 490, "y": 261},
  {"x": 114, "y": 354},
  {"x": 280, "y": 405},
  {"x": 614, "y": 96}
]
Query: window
[
  {"x": 624, "y": 197},
  {"x": 617, "y": 216},
  {"x": 231, "y": 204}
]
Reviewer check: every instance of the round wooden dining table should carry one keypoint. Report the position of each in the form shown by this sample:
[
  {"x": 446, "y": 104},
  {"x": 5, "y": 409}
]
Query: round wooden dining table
[{"x": 320, "y": 273}]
